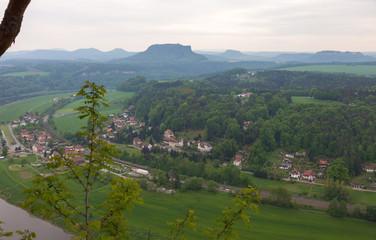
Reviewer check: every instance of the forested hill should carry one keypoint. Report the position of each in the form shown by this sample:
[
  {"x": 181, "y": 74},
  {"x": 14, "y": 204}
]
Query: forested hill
[
  {"x": 282, "y": 80},
  {"x": 212, "y": 107}
]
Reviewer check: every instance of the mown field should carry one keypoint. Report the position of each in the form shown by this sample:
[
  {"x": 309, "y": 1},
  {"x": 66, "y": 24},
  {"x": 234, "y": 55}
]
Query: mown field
[
  {"x": 367, "y": 70},
  {"x": 159, "y": 208},
  {"x": 307, "y": 100},
  {"x": 38, "y": 104},
  {"x": 270, "y": 223},
  {"x": 71, "y": 124}
]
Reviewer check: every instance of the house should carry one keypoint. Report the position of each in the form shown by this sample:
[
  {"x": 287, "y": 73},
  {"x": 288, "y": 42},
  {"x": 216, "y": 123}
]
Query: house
[
  {"x": 171, "y": 142},
  {"x": 246, "y": 124},
  {"x": 295, "y": 174},
  {"x": 16, "y": 121},
  {"x": 24, "y": 133},
  {"x": 323, "y": 164},
  {"x": 119, "y": 124},
  {"x": 68, "y": 148},
  {"x": 288, "y": 161},
  {"x": 369, "y": 169},
  {"x": 79, "y": 148},
  {"x": 238, "y": 160},
  {"x": 245, "y": 95},
  {"x": 133, "y": 122},
  {"x": 137, "y": 141},
  {"x": 289, "y": 156},
  {"x": 30, "y": 138},
  {"x": 37, "y": 148},
  {"x": 55, "y": 99},
  {"x": 44, "y": 137},
  {"x": 181, "y": 142},
  {"x": 300, "y": 154},
  {"x": 204, "y": 147},
  {"x": 169, "y": 134},
  {"x": 359, "y": 186},
  {"x": 308, "y": 175},
  {"x": 111, "y": 135},
  {"x": 285, "y": 166},
  {"x": 70, "y": 152},
  {"x": 78, "y": 160}
]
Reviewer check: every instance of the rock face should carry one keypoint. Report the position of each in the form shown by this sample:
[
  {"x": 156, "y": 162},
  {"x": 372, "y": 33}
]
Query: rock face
[{"x": 166, "y": 53}]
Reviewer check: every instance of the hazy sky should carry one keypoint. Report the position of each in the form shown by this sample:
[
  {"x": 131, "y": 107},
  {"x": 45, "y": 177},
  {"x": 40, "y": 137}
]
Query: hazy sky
[{"x": 245, "y": 25}]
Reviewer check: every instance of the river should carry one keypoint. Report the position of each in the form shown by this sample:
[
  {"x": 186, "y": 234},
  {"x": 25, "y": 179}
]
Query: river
[{"x": 15, "y": 218}]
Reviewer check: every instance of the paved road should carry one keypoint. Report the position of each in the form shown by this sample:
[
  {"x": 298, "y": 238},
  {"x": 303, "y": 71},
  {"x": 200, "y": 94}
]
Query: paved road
[
  {"x": 5, "y": 138},
  {"x": 18, "y": 144}
]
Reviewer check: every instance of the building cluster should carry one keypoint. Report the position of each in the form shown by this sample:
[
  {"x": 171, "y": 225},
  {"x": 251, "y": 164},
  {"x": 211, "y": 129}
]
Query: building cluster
[
  {"x": 25, "y": 119},
  {"x": 121, "y": 121},
  {"x": 294, "y": 174}
]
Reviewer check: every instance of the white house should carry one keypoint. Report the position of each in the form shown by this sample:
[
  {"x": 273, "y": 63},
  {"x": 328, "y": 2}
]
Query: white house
[
  {"x": 204, "y": 147},
  {"x": 295, "y": 174},
  {"x": 308, "y": 175},
  {"x": 369, "y": 169}
]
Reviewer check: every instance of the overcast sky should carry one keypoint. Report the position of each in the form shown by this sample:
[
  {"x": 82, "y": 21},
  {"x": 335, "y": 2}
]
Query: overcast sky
[{"x": 245, "y": 25}]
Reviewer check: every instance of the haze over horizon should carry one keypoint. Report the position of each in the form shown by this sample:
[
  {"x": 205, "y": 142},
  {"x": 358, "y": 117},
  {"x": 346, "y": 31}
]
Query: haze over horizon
[{"x": 247, "y": 26}]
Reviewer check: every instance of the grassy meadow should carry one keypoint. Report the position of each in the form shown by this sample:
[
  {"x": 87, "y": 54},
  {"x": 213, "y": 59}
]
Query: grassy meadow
[
  {"x": 159, "y": 208},
  {"x": 307, "y": 100},
  {"x": 38, "y": 104},
  {"x": 367, "y": 70},
  {"x": 71, "y": 124}
]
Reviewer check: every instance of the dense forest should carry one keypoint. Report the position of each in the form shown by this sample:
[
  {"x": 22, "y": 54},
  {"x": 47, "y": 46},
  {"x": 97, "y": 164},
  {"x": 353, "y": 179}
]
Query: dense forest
[{"x": 267, "y": 120}]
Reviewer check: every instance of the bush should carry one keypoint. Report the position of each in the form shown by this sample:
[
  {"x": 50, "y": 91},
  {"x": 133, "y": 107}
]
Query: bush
[
  {"x": 337, "y": 209},
  {"x": 212, "y": 186},
  {"x": 371, "y": 213},
  {"x": 279, "y": 196}
]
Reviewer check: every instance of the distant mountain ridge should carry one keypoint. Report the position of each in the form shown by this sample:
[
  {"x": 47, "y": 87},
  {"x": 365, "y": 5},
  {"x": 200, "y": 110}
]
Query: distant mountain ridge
[
  {"x": 177, "y": 53},
  {"x": 164, "y": 53},
  {"x": 83, "y": 54}
]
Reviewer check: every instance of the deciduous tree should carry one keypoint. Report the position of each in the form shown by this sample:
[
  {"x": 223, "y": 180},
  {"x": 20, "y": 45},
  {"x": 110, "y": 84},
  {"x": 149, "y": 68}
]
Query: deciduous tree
[{"x": 53, "y": 195}]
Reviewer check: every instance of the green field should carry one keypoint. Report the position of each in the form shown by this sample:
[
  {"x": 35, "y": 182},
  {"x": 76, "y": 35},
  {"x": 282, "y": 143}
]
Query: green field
[
  {"x": 38, "y": 104},
  {"x": 307, "y": 100},
  {"x": 159, "y": 208},
  {"x": 367, "y": 70},
  {"x": 12, "y": 183},
  {"x": 270, "y": 223},
  {"x": 26, "y": 73},
  {"x": 72, "y": 124}
]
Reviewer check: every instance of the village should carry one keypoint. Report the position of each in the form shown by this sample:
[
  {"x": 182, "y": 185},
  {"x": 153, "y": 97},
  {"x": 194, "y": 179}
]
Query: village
[{"x": 41, "y": 143}]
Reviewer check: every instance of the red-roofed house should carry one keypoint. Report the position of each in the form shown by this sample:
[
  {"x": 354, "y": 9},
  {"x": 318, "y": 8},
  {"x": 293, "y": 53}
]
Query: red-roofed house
[
  {"x": 44, "y": 137},
  {"x": 30, "y": 138},
  {"x": 70, "y": 152},
  {"x": 295, "y": 174},
  {"x": 24, "y": 133},
  {"x": 79, "y": 148},
  {"x": 238, "y": 160},
  {"x": 37, "y": 148},
  {"x": 119, "y": 124},
  {"x": 78, "y": 159},
  {"x": 308, "y": 175},
  {"x": 169, "y": 134}
]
